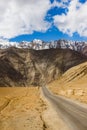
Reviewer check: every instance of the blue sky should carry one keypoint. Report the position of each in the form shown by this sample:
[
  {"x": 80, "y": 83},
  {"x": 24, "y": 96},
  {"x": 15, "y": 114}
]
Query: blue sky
[
  {"x": 50, "y": 35},
  {"x": 52, "y": 20}
]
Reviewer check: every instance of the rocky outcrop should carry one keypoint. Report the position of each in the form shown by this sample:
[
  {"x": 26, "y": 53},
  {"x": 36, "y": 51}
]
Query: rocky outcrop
[
  {"x": 23, "y": 67},
  {"x": 84, "y": 51}
]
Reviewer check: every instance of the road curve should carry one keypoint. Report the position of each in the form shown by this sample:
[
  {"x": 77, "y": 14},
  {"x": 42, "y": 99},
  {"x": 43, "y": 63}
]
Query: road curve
[{"x": 74, "y": 114}]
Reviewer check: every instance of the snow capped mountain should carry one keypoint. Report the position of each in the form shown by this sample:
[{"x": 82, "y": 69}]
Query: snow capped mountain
[
  {"x": 39, "y": 44},
  {"x": 37, "y": 41},
  {"x": 5, "y": 44}
]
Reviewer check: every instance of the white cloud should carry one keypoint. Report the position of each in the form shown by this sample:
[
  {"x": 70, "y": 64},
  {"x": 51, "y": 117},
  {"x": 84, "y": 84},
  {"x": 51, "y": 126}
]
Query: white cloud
[
  {"x": 23, "y": 17},
  {"x": 75, "y": 20}
]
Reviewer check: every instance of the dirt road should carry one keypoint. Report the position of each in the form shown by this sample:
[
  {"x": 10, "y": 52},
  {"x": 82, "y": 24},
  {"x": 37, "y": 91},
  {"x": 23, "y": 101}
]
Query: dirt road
[{"x": 74, "y": 114}]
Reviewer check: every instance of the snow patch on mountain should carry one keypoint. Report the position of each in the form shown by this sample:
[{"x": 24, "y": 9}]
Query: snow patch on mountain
[{"x": 38, "y": 44}]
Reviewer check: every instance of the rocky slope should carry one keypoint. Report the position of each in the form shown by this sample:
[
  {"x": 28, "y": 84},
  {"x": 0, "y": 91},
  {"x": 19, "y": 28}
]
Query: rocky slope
[
  {"x": 73, "y": 83},
  {"x": 84, "y": 51},
  {"x": 22, "y": 67}
]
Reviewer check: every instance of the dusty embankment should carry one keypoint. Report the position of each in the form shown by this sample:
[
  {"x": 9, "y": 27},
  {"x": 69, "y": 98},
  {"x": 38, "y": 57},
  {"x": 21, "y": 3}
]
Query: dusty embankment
[
  {"x": 21, "y": 109},
  {"x": 72, "y": 84}
]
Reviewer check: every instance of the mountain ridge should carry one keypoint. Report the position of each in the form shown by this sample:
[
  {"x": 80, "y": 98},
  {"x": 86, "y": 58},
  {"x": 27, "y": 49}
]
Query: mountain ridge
[
  {"x": 37, "y": 44},
  {"x": 24, "y": 67}
]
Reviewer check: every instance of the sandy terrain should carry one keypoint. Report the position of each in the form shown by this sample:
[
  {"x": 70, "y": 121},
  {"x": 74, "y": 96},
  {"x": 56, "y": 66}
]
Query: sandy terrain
[
  {"x": 73, "y": 83},
  {"x": 21, "y": 109}
]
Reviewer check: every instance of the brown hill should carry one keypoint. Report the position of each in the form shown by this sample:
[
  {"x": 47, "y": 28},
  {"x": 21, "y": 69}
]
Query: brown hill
[
  {"x": 73, "y": 83},
  {"x": 23, "y": 67}
]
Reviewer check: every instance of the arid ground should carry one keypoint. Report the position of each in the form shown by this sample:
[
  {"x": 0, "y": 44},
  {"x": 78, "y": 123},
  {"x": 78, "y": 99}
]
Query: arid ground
[
  {"x": 21, "y": 109},
  {"x": 25, "y": 108}
]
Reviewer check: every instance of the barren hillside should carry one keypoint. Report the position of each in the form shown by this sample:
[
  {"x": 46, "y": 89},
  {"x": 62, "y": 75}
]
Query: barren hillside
[
  {"x": 73, "y": 83},
  {"x": 23, "y": 67}
]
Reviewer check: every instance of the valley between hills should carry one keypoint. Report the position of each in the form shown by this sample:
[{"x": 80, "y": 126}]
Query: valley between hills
[
  {"x": 43, "y": 64},
  {"x": 24, "y": 72}
]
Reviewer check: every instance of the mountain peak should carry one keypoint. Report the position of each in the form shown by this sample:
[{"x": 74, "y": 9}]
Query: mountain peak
[{"x": 38, "y": 44}]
